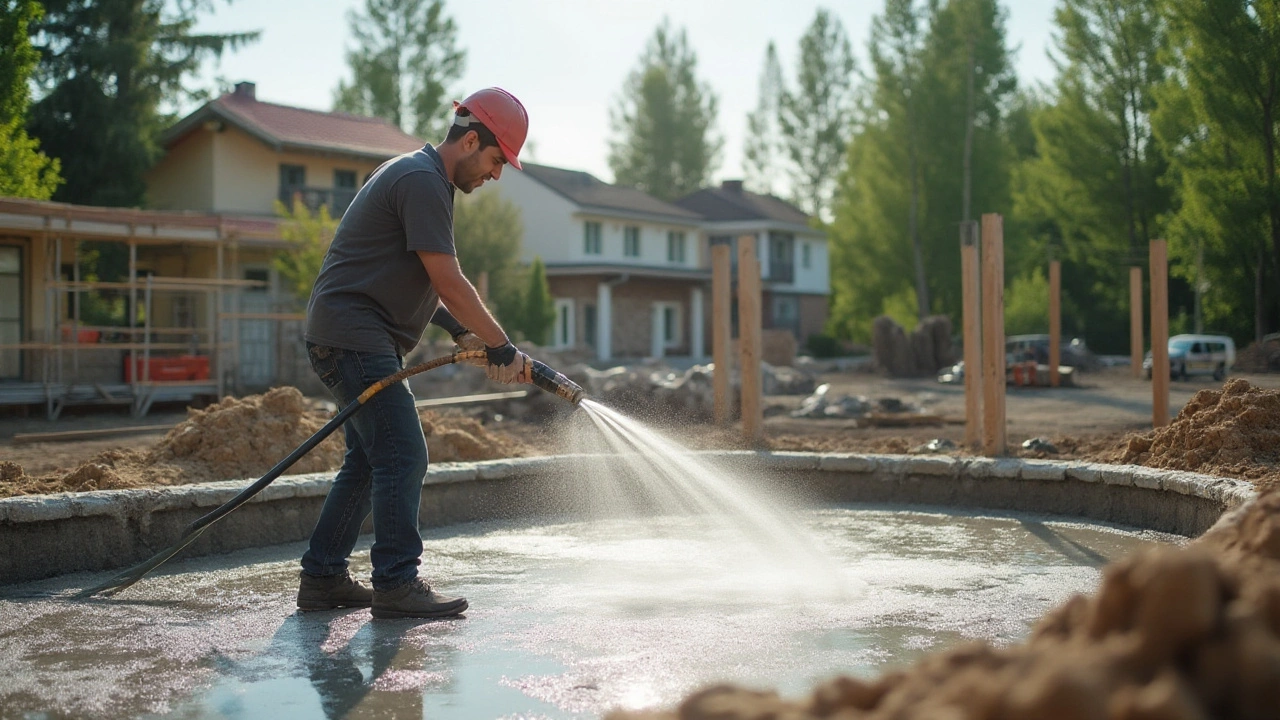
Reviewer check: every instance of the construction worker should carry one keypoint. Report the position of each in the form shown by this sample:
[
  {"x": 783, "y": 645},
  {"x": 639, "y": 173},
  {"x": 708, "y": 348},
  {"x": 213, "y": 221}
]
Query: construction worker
[{"x": 392, "y": 268}]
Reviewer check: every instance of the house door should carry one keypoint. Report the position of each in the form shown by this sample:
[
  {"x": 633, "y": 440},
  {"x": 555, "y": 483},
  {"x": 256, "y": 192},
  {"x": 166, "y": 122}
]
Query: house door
[
  {"x": 10, "y": 311},
  {"x": 257, "y": 337}
]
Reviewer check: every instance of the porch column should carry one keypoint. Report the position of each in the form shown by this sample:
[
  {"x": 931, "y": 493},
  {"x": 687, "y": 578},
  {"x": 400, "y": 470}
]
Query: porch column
[
  {"x": 696, "y": 331},
  {"x": 604, "y": 321},
  {"x": 656, "y": 340}
]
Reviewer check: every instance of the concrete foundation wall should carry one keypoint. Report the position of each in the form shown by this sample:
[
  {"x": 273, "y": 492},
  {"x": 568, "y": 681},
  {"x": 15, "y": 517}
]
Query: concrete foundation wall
[{"x": 47, "y": 535}]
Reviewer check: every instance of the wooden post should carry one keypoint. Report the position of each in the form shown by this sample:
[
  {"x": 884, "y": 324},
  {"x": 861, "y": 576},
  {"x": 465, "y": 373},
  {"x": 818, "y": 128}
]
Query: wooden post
[
  {"x": 1055, "y": 321},
  {"x": 721, "y": 328},
  {"x": 749, "y": 337},
  {"x": 482, "y": 286},
  {"x": 1135, "y": 320},
  {"x": 971, "y": 283},
  {"x": 993, "y": 368},
  {"x": 1159, "y": 334}
]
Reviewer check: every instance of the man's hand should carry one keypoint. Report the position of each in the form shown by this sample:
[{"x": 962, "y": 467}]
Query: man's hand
[
  {"x": 507, "y": 365},
  {"x": 469, "y": 341}
]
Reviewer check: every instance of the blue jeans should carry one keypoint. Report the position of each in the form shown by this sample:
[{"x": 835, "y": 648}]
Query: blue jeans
[{"x": 381, "y": 473}]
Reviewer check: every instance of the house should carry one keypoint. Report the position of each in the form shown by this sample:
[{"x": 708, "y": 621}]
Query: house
[
  {"x": 794, "y": 263},
  {"x": 203, "y": 310},
  {"x": 631, "y": 274},
  {"x": 628, "y": 272}
]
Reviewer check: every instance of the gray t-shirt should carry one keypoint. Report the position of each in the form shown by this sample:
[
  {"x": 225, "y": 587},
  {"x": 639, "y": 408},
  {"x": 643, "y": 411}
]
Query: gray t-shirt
[{"x": 372, "y": 294}]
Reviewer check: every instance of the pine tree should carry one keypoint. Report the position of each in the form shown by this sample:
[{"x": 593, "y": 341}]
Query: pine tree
[
  {"x": 539, "y": 307},
  {"x": 762, "y": 149},
  {"x": 24, "y": 170},
  {"x": 816, "y": 117},
  {"x": 106, "y": 68},
  {"x": 405, "y": 61},
  {"x": 664, "y": 139}
]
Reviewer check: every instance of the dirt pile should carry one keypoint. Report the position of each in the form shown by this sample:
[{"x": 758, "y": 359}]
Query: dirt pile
[
  {"x": 1174, "y": 633},
  {"x": 452, "y": 438},
  {"x": 1233, "y": 432},
  {"x": 1259, "y": 357}
]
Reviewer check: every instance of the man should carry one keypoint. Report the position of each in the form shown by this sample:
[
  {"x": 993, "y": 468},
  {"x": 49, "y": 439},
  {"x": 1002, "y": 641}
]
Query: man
[{"x": 390, "y": 269}]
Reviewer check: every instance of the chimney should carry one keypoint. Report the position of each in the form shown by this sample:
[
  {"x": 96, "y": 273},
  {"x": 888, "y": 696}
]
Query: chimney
[
  {"x": 248, "y": 91},
  {"x": 733, "y": 186}
]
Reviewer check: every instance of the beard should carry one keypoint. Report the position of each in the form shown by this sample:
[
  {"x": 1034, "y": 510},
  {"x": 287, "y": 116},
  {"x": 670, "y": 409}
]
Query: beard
[{"x": 469, "y": 175}]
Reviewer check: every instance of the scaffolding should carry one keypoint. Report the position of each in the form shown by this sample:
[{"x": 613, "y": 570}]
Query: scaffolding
[{"x": 69, "y": 352}]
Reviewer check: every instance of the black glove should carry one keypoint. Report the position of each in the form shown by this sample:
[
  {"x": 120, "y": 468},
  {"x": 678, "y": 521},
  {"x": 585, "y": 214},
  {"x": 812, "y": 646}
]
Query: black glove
[{"x": 505, "y": 363}]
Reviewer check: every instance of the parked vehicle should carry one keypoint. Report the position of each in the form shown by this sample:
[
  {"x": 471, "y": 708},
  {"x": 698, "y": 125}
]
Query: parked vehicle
[
  {"x": 1197, "y": 355},
  {"x": 1023, "y": 348}
]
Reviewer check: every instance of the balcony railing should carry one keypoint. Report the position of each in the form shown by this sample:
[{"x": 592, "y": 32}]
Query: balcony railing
[{"x": 338, "y": 199}]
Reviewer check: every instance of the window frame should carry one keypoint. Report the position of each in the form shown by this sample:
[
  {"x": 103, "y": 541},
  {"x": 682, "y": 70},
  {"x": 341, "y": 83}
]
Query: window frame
[
  {"x": 592, "y": 243},
  {"x": 677, "y": 245},
  {"x": 631, "y": 241}
]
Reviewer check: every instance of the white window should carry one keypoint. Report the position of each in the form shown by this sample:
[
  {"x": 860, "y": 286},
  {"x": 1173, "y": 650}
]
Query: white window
[
  {"x": 564, "y": 335},
  {"x": 675, "y": 247},
  {"x": 591, "y": 238},
  {"x": 631, "y": 241},
  {"x": 668, "y": 323},
  {"x": 806, "y": 260}
]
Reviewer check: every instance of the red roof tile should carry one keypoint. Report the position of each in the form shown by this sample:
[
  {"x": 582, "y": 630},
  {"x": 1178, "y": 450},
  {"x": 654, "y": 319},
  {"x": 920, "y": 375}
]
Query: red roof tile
[{"x": 282, "y": 125}]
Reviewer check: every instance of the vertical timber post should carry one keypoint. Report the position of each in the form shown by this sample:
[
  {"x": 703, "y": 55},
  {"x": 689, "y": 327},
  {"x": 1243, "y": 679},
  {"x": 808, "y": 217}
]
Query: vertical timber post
[
  {"x": 993, "y": 379},
  {"x": 721, "y": 327},
  {"x": 1135, "y": 320},
  {"x": 971, "y": 283},
  {"x": 749, "y": 337},
  {"x": 1055, "y": 321},
  {"x": 1159, "y": 333}
]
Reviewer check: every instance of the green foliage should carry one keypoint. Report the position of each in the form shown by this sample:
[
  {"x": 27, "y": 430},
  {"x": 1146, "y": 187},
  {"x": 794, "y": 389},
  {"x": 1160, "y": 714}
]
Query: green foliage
[
  {"x": 1026, "y": 304},
  {"x": 405, "y": 61},
  {"x": 105, "y": 69},
  {"x": 816, "y": 119},
  {"x": 539, "y": 314},
  {"x": 24, "y": 170},
  {"x": 901, "y": 188},
  {"x": 824, "y": 346},
  {"x": 487, "y": 230},
  {"x": 308, "y": 235},
  {"x": 762, "y": 148},
  {"x": 1217, "y": 120},
  {"x": 663, "y": 122}
]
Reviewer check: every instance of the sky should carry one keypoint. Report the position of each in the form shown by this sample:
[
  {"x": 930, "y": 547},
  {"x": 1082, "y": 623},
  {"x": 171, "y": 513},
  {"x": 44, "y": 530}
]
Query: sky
[{"x": 567, "y": 60}]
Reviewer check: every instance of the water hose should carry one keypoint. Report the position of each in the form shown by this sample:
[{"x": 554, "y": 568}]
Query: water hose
[{"x": 540, "y": 374}]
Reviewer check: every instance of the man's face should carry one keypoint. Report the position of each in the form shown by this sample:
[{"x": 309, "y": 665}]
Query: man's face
[{"x": 479, "y": 165}]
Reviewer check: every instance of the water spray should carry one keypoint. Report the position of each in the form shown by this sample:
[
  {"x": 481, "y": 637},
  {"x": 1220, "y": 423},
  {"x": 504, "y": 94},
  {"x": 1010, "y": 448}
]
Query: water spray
[{"x": 539, "y": 373}]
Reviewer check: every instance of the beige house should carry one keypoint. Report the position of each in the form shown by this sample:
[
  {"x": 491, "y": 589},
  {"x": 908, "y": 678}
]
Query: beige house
[{"x": 204, "y": 312}]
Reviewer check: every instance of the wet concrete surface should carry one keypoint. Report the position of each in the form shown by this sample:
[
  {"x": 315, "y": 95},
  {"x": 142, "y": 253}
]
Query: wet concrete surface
[{"x": 568, "y": 619}]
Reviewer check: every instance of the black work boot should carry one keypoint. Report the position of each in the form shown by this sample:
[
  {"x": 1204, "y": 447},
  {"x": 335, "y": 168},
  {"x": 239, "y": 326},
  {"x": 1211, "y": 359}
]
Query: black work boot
[
  {"x": 415, "y": 599},
  {"x": 331, "y": 592}
]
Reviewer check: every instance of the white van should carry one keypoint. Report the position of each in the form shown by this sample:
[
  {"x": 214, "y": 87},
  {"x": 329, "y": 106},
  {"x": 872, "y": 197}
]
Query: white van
[{"x": 1198, "y": 355}]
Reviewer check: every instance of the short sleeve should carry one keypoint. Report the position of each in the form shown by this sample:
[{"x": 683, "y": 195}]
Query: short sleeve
[{"x": 424, "y": 203}]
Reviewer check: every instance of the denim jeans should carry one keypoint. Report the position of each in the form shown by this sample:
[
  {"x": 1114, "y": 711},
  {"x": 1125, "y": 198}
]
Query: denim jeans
[{"x": 382, "y": 471}]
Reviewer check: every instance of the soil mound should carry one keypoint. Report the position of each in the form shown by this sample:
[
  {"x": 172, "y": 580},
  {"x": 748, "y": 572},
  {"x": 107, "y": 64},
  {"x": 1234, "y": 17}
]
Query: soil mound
[
  {"x": 452, "y": 438},
  {"x": 1171, "y": 633},
  {"x": 1259, "y": 357},
  {"x": 1233, "y": 432},
  {"x": 246, "y": 437}
]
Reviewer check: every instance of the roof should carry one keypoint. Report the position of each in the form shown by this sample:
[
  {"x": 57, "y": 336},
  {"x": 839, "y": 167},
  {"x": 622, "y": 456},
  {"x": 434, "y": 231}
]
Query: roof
[
  {"x": 588, "y": 191},
  {"x": 730, "y": 202},
  {"x": 281, "y": 126}
]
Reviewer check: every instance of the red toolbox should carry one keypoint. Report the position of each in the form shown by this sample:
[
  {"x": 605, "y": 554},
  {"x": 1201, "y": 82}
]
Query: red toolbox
[{"x": 167, "y": 369}]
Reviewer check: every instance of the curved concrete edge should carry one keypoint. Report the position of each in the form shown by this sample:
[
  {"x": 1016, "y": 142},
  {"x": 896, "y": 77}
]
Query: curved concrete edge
[{"x": 46, "y": 535}]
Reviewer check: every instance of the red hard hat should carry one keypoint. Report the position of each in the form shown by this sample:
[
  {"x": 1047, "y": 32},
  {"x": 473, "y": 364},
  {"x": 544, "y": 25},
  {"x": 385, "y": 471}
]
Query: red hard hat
[{"x": 505, "y": 117}]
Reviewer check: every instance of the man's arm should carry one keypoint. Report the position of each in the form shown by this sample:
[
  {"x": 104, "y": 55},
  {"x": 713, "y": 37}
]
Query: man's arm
[{"x": 460, "y": 296}]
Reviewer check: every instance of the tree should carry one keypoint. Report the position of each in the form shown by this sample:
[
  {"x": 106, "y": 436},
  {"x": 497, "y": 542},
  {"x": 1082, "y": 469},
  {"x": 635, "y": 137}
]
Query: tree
[
  {"x": 762, "y": 149},
  {"x": 308, "y": 235},
  {"x": 24, "y": 170},
  {"x": 539, "y": 308},
  {"x": 1094, "y": 188},
  {"x": 405, "y": 61},
  {"x": 817, "y": 118},
  {"x": 106, "y": 67},
  {"x": 663, "y": 122},
  {"x": 1219, "y": 121},
  {"x": 487, "y": 230}
]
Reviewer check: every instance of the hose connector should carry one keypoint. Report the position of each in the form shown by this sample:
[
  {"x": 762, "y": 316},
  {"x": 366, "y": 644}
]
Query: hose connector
[{"x": 553, "y": 382}]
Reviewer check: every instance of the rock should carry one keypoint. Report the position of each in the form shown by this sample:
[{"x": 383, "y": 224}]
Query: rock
[
  {"x": 1039, "y": 444},
  {"x": 936, "y": 445},
  {"x": 815, "y": 404},
  {"x": 786, "y": 381}
]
